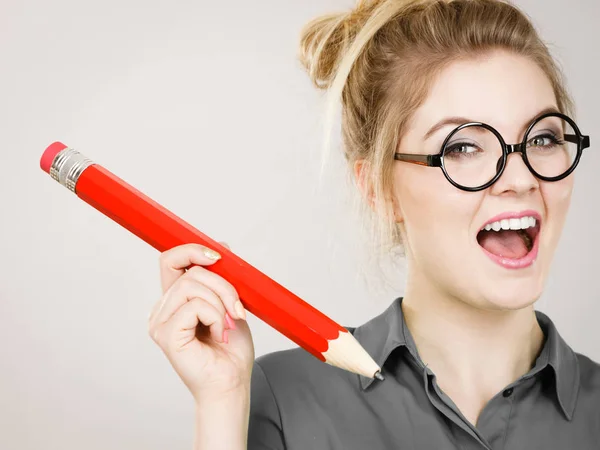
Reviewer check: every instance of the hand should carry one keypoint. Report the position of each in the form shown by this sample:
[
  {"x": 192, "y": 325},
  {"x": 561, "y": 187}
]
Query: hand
[{"x": 194, "y": 323}]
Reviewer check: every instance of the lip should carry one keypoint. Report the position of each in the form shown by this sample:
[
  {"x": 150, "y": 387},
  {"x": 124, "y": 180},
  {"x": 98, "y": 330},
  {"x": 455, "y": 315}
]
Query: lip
[{"x": 529, "y": 258}]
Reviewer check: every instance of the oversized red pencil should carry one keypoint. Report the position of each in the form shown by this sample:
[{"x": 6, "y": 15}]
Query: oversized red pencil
[{"x": 262, "y": 296}]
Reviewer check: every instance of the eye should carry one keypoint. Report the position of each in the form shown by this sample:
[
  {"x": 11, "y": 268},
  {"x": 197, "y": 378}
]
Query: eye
[
  {"x": 461, "y": 149},
  {"x": 544, "y": 140}
]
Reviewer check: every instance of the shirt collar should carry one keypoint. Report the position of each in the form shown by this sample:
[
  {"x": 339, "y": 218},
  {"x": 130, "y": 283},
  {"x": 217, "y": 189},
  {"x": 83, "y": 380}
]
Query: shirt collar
[
  {"x": 381, "y": 335},
  {"x": 563, "y": 361},
  {"x": 386, "y": 332}
]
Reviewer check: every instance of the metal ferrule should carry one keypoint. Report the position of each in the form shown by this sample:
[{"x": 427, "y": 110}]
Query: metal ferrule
[{"x": 67, "y": 166}]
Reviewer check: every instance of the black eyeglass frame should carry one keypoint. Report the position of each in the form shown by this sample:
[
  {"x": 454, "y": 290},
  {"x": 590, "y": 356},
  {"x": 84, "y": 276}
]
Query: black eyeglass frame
[{"x": 437, "y": 160}]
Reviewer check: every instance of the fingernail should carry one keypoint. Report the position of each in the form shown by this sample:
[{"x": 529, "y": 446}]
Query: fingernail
[
  {"x": 239, "y": 309},
  {"x": 230, "y": 321},
  {"x": 210, "y": 253},
  {"x": 225, "y": 337}
]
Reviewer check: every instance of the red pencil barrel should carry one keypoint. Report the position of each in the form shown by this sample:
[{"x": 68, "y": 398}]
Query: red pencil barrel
[{"x": 262, "y": 296}]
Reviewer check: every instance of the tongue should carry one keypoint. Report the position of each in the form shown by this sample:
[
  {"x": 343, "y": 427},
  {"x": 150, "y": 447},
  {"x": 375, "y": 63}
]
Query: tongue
[{"x": 505, "y": 243}]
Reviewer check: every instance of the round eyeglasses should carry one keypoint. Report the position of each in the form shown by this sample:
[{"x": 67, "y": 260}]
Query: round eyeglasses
[{"x": 474, "y": 155}]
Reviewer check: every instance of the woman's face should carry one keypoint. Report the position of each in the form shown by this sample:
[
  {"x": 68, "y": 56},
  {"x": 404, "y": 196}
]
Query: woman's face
[{"x": 441, "y": 224}]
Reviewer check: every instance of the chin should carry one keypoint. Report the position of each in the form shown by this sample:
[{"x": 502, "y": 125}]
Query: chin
[{"x": 513, "y": 294}]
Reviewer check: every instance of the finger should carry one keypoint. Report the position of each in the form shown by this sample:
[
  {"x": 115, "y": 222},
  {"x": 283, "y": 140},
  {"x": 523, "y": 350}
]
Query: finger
[
  {"x": 212, "y": 299},
  {"x": 187, "y": 318},
  {"x": 174, "y": 261},
  {"x": 223, "y": 288},
  {"x": 184, "y": 290}
]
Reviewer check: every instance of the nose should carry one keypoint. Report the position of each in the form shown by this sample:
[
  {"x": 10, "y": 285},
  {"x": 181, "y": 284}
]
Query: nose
[{"x": 516, "y": 178}]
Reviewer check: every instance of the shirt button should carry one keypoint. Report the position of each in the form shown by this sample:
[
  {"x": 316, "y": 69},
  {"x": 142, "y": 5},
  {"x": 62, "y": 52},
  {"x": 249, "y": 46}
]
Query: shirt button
[{"x": 507, "y": 392}]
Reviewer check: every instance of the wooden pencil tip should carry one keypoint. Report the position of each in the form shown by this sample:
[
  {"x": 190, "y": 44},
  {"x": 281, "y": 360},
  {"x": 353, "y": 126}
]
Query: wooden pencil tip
[{"x": 379, "y": 376}]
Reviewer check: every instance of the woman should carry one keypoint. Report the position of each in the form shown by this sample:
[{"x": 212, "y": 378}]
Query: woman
[{"x": 433, "y": 93}]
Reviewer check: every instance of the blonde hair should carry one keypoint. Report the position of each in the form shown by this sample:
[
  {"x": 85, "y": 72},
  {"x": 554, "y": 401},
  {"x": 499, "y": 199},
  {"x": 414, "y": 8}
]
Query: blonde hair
[{"x": 381, "y": 58}]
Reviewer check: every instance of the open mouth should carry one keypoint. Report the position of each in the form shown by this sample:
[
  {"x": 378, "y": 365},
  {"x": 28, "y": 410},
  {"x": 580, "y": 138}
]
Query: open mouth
[{"x": 511, "y": 238}]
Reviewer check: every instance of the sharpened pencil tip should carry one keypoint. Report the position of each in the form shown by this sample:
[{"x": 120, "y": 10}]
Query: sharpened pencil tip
[{"x": 379, "y": 376}]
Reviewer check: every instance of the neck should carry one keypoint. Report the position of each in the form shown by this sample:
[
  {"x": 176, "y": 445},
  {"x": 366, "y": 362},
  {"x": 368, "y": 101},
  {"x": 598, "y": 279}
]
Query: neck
[{"x": 469, "y": 347}]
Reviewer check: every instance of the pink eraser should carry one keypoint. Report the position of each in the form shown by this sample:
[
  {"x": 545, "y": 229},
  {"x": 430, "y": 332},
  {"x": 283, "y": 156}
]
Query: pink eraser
[{"x": 49, "y": 154}]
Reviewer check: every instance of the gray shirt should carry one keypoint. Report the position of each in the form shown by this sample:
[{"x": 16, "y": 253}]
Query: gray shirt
[{"x": 301, "y": 403}]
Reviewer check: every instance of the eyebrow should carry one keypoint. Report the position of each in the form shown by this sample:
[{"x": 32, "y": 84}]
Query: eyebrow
[{"x": 460, "y": 120}]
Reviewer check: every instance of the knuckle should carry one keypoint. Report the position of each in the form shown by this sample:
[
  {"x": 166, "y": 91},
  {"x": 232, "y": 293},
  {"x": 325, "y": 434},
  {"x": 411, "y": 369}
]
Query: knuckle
[
  {"x": 231, "y": 291},
  {"x": 198, "y": 275},
  {"x": 218, "y": 305},
  {"x": 196, "y": 304},
  {"x": 186, "y": 284},
  {"x": 194, "y": 271},
  {"x": 163, "y": 257},
  {"x": 209, "y": 313},
  {"x": 224, "y": 287},
  {"x": 164, "y": 264},
  {"x": 155, "y": 335}
]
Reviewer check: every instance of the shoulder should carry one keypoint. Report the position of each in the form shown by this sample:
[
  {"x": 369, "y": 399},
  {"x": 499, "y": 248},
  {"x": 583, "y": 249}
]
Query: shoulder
[
  {"x": 297, "y": 370},
  {"x": 589, "y": 373},
  {"x": 285, "y": 369},
  {"x": 294, "y": 373},
  {"x": 292, "y": 387}
]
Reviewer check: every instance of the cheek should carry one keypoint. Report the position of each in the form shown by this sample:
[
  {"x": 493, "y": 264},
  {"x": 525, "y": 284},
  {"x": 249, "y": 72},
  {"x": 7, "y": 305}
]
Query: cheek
[
  {"x": 435, "y": 213},
  {"x": 557, "y": 198}
]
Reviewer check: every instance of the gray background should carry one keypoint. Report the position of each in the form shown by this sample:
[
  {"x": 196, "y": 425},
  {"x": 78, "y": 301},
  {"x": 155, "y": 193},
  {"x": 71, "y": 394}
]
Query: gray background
[{"x": 202, "y": 106}]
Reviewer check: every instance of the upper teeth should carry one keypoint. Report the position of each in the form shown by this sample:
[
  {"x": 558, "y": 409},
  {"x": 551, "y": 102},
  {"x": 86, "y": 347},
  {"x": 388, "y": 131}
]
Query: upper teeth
[{"x": 511, "y": 224}]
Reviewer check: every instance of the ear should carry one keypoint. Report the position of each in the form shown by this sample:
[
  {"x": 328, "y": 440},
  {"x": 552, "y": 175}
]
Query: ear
[{"x": 361, "y": 174}]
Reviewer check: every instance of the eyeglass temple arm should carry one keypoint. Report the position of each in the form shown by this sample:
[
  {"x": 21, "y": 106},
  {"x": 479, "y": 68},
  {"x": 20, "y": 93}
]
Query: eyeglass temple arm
[
  {"x": 585, "y": 140},
  {"x": 422, "y": 160}
]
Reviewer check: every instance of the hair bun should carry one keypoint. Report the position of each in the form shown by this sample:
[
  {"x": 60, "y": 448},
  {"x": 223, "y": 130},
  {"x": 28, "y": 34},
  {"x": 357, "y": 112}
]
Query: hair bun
[{"x": 324, "y": 40}]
